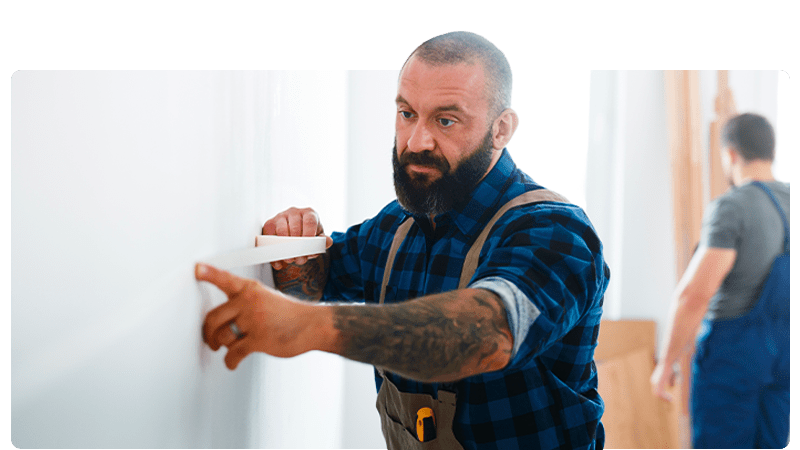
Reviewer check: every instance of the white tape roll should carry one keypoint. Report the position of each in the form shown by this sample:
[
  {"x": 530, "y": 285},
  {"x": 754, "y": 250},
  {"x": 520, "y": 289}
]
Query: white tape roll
[{"x": 268, "y": 249}]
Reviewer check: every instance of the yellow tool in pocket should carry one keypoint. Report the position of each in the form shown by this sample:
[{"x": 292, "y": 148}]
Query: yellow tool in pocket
[{"x": 426, "y": 425}]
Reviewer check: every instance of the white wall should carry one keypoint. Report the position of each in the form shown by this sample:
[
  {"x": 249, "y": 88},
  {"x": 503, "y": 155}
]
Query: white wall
[
  {"x": 307, "y": 141},
  {"x": 371, "y": 112},
  {"x": 120, "y": 182}
]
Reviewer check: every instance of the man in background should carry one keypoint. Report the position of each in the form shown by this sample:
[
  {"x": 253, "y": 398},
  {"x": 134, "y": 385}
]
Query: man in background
[
  {"x": 483, "y": 291},
  {"x": 740, "y": 373}
]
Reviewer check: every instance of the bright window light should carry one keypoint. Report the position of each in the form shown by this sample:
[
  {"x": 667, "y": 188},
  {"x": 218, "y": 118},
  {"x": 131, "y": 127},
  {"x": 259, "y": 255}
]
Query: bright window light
[
  {"x": 551, "y": 142},
  {"x": 786, "y": 136}
]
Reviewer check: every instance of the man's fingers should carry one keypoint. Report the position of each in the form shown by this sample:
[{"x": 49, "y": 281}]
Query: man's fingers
[
  {"x": 224, "y": 336},
  {"x": 280, "y": 224},
  {"x": 227, "y": 282},
  {"x": 217, "y": 320},
  {"x": 269, "y": 228},
  {"x": 236, "y": 353},
  {"x": 295, "y": 222},
  {"x": 311, "y": 225},
  {"x": 295, "y": 225},
  {"x": 673, "y": 378}
]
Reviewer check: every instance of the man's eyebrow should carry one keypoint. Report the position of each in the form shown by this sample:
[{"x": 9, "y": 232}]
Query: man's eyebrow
[{"x": 453, "y": 107}]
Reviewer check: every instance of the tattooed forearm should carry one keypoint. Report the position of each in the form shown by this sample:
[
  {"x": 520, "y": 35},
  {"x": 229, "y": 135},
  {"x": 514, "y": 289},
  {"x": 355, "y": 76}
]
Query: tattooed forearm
[
  {"x": 305, "y": 281},
  {"x": 442, "y": 337}
]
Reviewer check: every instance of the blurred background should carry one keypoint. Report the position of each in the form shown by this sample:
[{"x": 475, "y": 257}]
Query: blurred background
[{"x": 121, "y": 180}]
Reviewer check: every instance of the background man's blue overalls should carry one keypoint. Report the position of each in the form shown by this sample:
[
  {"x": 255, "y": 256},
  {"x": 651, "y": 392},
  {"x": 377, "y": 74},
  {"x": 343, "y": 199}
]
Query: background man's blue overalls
[{"x": 740, "y": 387}]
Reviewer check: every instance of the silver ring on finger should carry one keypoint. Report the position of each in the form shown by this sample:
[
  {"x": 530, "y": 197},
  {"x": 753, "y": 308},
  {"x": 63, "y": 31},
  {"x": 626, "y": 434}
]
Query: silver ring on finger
[{"x": 235, "y": 330}]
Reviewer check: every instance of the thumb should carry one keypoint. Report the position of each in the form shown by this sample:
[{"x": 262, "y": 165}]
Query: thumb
[
  {"x": 227, "y": 282},
  {"x": 328, "y": 241}
]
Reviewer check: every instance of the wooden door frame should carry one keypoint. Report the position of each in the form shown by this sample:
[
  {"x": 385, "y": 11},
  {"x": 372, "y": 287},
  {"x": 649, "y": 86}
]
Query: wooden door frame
[{"x": 687, "y": 156}]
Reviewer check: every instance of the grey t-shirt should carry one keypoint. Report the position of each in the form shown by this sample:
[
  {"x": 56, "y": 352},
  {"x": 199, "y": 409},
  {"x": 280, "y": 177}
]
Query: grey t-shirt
[{"x": 744, "y": 219}]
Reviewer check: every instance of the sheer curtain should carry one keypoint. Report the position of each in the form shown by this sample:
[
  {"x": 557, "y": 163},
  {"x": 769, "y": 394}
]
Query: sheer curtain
[
  {"x": 786, "y": 134},
  {"x": 551, "y": 142}
]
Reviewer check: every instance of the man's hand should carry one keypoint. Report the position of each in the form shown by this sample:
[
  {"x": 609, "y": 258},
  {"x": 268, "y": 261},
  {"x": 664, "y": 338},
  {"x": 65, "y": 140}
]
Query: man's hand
[
  {"x": 293, "y": 276},
  {"x": 295, "y": 222},
  {"x": 269, "y": 321},
  {"x": 663, "y": 377}
]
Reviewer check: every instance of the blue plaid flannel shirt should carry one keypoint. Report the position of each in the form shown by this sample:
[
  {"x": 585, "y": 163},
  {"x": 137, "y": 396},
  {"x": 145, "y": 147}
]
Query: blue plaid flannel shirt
[{"x": 546, "y": 398}]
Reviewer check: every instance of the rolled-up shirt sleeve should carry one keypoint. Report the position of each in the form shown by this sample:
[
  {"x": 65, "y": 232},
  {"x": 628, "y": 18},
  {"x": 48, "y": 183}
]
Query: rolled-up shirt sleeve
[{"x": 520, "y": 311}]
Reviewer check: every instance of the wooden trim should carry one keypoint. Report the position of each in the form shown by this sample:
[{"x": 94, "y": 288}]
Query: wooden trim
[
  {"x": 683, "y": 113},
  {"x": 619, "y": 337},
  {"x": 725, "y": 108},
  {"x": 686, "y": 151}
]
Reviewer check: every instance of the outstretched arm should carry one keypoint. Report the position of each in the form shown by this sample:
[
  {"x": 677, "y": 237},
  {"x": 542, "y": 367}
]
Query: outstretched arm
[{"x": 437, "y": 338}]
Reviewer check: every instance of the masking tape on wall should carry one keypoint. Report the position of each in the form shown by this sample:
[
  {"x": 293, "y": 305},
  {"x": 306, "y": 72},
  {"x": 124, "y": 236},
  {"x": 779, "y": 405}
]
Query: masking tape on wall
[{"x": 268, "y": 249}]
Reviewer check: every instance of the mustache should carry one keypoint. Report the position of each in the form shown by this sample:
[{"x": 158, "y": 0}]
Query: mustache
[{"x": 426, "y": 159}]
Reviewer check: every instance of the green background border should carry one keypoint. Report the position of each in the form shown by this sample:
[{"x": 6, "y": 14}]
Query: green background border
[{"x": 180, "y": 34}]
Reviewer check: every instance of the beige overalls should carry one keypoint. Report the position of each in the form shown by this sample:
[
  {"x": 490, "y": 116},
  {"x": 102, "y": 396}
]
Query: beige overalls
[{"x": 398, "y": 410}]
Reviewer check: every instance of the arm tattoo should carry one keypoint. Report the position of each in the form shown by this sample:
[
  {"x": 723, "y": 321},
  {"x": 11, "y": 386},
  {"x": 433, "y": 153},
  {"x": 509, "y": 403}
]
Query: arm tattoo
[
  {"x": 443, "y": 337},
  {"x": 305, "y": 281}
]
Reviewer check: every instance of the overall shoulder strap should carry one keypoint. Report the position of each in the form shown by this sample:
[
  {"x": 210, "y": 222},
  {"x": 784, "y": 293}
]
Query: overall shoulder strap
[
  {"x": 399, "y": 235},
  {"x": 471, "y": 261},
  {"x": 780, "y": 211}
]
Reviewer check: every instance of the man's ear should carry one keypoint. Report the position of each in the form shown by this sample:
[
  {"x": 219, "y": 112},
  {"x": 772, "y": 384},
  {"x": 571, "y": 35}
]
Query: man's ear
[
  {"x": 503, "y": 128},
  {"x": 731, "y": 154}
]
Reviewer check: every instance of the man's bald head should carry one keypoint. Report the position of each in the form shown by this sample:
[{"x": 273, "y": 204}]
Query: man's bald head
[{"x": 461, "y": 47}]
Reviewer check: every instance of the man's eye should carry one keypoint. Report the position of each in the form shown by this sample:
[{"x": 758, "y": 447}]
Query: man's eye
[
  {"x": 406, "y": 114},
  {"x": 445, "y": 122}
]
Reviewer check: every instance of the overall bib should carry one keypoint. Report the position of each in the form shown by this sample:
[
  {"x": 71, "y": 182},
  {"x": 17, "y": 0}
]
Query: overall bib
[
  {"x": 740, "y": 388},
  {"x": 398, "y": 410}
]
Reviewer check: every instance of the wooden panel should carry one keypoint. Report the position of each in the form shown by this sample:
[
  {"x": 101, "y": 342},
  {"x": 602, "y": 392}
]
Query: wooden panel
[
  {"x": 683, "y": 113},
  {"x": 620, "y": 337},
  {"x": 685, "y": 143},
  {"x": 725, "y": 108},
  {"x": 633, "y": 417}
]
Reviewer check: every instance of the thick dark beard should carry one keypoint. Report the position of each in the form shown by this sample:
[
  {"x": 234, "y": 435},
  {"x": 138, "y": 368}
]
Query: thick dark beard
[{"x": 451, "y": 191}]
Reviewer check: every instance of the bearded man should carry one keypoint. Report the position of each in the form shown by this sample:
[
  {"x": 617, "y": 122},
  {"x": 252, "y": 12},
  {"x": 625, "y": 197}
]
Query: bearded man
[{"x": 477, "y": 294}]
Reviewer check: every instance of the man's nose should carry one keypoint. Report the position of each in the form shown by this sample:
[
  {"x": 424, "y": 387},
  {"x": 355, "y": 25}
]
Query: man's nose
[{"x": 421, "y": 139}]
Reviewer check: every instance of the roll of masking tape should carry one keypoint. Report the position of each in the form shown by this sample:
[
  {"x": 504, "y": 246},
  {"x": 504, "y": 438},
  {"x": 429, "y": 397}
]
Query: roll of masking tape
[{"x": 269, "y": 249}]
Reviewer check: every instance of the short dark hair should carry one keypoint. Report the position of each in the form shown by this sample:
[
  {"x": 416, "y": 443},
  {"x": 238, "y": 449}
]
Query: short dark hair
[
  {"x": 464, "y": 47},
  {"x": 751, "y": 136}
]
